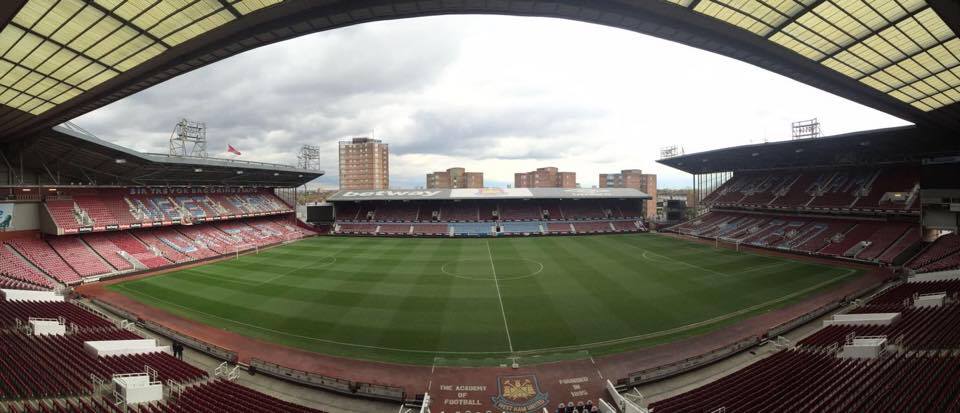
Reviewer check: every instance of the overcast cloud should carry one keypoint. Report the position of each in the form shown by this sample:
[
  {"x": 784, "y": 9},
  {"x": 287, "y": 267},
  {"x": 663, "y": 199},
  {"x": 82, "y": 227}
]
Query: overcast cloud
[{"x": 492, "y": 94}]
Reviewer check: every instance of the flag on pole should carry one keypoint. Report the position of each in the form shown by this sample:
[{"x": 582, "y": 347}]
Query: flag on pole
[{"x": 232, "y": 150}]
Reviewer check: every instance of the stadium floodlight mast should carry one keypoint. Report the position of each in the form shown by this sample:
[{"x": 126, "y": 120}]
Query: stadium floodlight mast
[
  {"x": 804, "y": 129},
  {"x": 309, "y": 157},
  {"x": 189, "y": 133},
  {"x": 670, "y": 151}
]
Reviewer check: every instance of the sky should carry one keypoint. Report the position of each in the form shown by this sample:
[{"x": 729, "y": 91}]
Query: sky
[{"x": 493, "y": 94}]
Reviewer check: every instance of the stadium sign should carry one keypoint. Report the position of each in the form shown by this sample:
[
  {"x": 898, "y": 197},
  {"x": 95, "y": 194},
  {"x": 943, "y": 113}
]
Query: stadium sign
[
  {"x": 391, "y": 194},
  {"x": 519, "y": 394}
]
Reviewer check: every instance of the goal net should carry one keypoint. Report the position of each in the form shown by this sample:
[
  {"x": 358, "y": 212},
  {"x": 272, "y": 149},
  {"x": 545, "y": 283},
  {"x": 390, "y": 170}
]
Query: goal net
[{"x": 728, "y": 243}]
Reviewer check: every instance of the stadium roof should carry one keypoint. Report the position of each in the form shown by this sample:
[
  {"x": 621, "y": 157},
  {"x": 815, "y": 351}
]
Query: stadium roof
[
  {"x": 899, "y": 144},
  {"x": 486, "y": 193},
  {"x": 70, "y": 155},
  {"x": 62, "y": 58}
]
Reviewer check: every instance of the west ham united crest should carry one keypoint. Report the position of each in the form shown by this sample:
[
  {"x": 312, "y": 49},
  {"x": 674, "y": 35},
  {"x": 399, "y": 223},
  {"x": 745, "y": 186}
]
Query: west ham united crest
[{"x": 519, "y": 394}]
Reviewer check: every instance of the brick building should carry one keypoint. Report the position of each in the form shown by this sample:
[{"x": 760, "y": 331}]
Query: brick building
[
  {"x": 364, "y": 164},
  {"x": 548, "y": 177},
  {"x": 455, "y": 178},
  {"x": 636, "y": 179}
]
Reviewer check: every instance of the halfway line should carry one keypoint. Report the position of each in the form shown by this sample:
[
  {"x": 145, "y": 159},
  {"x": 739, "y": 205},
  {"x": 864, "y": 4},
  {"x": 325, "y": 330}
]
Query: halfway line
[{"x": 497, "y": 283}]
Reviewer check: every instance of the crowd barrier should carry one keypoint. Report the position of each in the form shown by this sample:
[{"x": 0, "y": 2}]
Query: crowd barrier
[{"x": 369, "y": 390}]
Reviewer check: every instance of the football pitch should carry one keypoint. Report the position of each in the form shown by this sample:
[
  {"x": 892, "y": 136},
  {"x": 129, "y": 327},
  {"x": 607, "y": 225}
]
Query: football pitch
[{"x": 483, "y": 301}]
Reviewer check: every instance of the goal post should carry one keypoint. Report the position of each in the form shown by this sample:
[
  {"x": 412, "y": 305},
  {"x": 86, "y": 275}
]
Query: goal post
[{"x": 728, "y": 243}]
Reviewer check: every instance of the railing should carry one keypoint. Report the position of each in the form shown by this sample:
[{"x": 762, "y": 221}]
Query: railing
[
  {"x": 197, "y": 344},
  {"x": 375, "y": 391},
  {"x": 687, "y": 364}
]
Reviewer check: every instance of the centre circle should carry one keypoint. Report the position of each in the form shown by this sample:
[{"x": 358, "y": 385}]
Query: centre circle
[{"x": 481, "y": 269}]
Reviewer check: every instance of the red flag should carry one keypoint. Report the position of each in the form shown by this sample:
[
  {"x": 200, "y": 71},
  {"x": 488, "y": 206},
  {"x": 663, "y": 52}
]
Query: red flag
[{"x": 232, "y": 150}]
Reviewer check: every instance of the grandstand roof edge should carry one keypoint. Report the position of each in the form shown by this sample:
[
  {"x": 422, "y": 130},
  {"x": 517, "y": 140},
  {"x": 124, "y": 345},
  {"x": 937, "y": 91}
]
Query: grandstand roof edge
[
  {"x": 191, "y": 161},
  {"x": 894, "y": 144}
]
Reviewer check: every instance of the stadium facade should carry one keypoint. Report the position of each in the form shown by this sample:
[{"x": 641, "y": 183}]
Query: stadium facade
[{"x": 76, "y": 209}]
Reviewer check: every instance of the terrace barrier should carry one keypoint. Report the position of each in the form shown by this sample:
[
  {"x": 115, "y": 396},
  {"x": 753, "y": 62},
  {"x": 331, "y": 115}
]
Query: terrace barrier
[{"x": 369, "y": 390}]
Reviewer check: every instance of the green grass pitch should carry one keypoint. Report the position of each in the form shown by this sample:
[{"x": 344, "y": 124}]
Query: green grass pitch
[{"x": 482, "y": 301}]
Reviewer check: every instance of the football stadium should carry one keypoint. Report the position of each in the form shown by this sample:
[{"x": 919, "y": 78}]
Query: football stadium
[{"x": 818, "y": 274}]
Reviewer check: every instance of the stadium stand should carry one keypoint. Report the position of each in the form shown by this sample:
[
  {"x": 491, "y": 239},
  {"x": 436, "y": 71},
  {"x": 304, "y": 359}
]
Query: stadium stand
[
  {"x": 870, "y": 240},
  {"x": 471, "y": 218},
  {"x": 431, "y": 229},
  {"x": 18, "y": 270},
  {"x": 800, "y": 380},
  {"x": 939, "y": 255},
  {"x": 110, "y": 209},
  {"x": 592, "y": 227},
  {"x": 459, "y": 211},
  {"x": 833, "y": 188},
  {"x": 79, "y": 256},
  {"x": 45, "y": 258},
  {"x": 508, "y": 228},
  {"x": 914, "y": 369},
  {"x": 510, "y": 211}
]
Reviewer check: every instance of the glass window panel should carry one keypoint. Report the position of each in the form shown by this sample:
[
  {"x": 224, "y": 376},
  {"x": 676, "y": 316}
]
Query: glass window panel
[
  {"x": 932, "y": 22},
  {"x": 42, "y": 108},
  {"x": 921, "y": 106},
  {"x": 83, "y": 74},
  {"x": 57, "y": 17},
  {"x": 67, "y": 95},
  {"x": 933, "y": 103},
  {"x": 102, "y": 37},
  {"x": 8, "y": 37},
  {"x": 901, "y": 75},
  {"x": 876, "y": 84},
  {"x": 876, "y": 51},
  {"x": 43, "y": 84},
  {"x": 6, "y": 94},
  {"x": 842, "y": 68},
  {"x": 150, "y": 18},
  {"x": 13, "y": 75},
  {"x": 142, "y": 56},
  {"x": 19, "y": 100},
  {"x": 199, "y": 28},
  {"x": 97, "y": 79},
  {"x": 793, "y": 44},
  {"x": 23, "y": 47},
  {"x": 953, "y": 94},
  {"x": 121, "y": 55},
  {"x": 928, "y": 63},
  {"x": 937, "y": 83},
  {"x": 887, "y": 79},
  {"x": 75, "y": 33},
  {"x": 68, "y": 70},
  {"x": 854, "y": 60},
  {"x": 128, "y": 10},
  {"x": 32, "y": 12},
  {"x": 924, "y": 88},
  {"x": 819, "y": 27},
  {"x": 52, "y": 90},
  {"x": 27, "y": 80},
  {"x": 842, "y": 20},
  {"x": 40, "y": 54},
  {"x": 912, "y": 92},
  {"x": 860, "y": 11},
  {"x": 60, "y": 58},
  {"x": 249, "y": 6}
]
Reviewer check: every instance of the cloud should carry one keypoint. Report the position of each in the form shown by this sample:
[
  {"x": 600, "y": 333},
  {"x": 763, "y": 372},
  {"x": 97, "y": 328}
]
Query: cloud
[{"x": 491, "y": 93}]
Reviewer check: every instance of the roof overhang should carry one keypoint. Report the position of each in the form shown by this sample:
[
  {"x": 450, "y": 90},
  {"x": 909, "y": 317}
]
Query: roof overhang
[
  {"x": 721, "y": 26},
  {"x": 69, "y": 155},
  {"x": 891, "y": 145}
]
